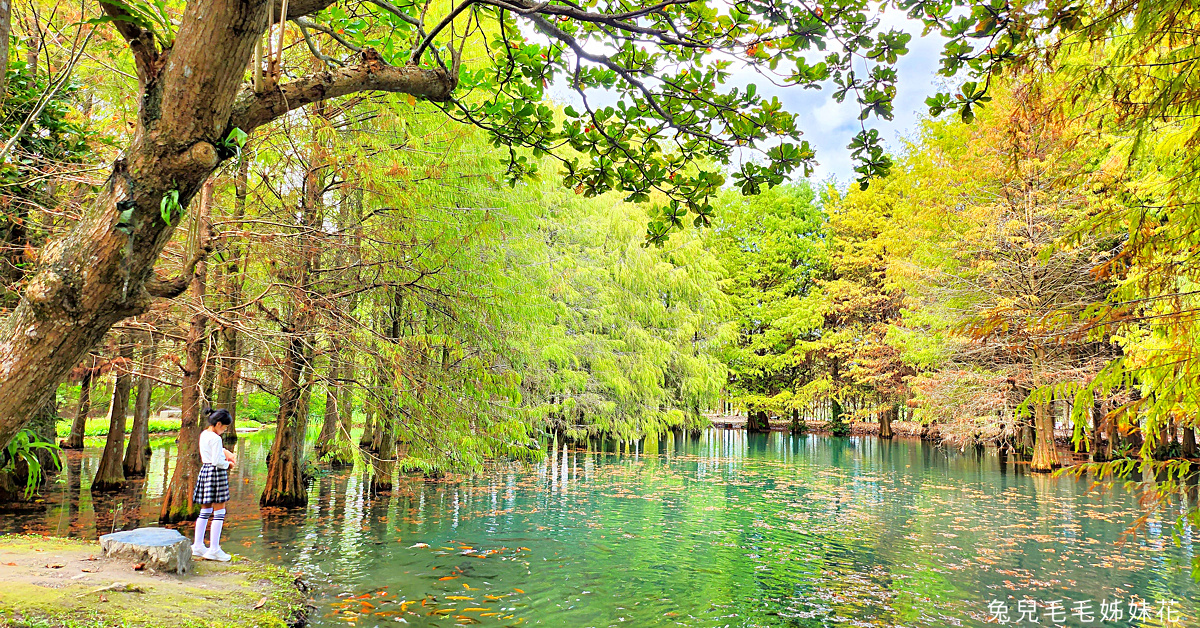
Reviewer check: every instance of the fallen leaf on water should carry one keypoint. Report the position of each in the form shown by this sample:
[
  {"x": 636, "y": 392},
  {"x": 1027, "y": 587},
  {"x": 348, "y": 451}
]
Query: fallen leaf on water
[
  {"x": 261, "y": 603},
  {"x": 475, "y": 609},
  {"x": 442, "y": 578},
  {"x": 459, "y": 597},
  {"x": 519, "y": 591}
]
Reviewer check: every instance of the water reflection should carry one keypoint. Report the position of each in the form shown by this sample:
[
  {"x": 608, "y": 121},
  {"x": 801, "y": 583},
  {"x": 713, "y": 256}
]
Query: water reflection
[{"x": 722, "y": 529}]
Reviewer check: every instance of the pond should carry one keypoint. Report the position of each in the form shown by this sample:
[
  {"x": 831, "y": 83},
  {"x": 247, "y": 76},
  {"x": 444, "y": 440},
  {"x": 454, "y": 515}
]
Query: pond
[{"x": 724, "y": 529}]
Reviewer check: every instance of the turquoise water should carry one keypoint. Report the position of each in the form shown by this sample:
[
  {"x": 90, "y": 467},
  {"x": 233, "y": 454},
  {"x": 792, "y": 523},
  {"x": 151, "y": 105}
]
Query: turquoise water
[{"x": 727, "y": 529}]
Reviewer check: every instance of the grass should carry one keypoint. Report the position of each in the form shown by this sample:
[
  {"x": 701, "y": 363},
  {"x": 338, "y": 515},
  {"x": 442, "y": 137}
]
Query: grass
[
  {"x": 99, "y": 426},
  {"x": 241, "y": 594}
]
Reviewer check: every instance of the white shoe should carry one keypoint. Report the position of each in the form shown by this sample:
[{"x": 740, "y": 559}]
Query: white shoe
[
  {"x": 198, "y": 551},
  {"x": 215, "y": 553}
]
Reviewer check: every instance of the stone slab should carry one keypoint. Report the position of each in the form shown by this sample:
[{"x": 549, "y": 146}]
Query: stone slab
[{"x": 163, "y": 549}]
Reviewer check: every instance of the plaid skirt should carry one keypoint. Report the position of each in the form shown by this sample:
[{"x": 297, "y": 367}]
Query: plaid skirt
[{"x": 212, "y": 485}]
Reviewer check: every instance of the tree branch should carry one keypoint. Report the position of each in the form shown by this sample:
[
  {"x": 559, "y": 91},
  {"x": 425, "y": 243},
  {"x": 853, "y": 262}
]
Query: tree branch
[
  {"x": 299, "y": 8},
  {"x": 140, "y": 40},
  {"x": 170, "y": 288},
  {"x": 372, "y": 74}
]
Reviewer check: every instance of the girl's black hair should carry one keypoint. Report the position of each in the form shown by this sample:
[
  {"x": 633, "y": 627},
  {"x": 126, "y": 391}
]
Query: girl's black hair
[{"x": 219, "y": 416}]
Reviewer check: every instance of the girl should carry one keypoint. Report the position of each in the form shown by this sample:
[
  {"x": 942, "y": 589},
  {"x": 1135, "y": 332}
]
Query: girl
[{"x": 212, "y": 486}]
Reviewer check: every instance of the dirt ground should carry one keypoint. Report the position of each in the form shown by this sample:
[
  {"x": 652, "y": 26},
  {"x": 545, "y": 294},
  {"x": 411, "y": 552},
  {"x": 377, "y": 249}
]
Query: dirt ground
[{"x": 55, "y": 582}]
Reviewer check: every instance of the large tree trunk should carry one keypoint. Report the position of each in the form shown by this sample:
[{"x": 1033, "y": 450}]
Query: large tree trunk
[
  {"x": 79, "y": 425},
  {"x": 885, "y": 420},
  {"x": 137, "y": 455},
  {"x": 1045, "y": 453},
  {"x": 1188, "y": 449},
  {"x": 189, "y": 101},
  {"x": 756, "y": 421},
  {"x": 285, "y": 483},
  {"x": 177, "y": 500},
  {"x": 110, "y": 474}
]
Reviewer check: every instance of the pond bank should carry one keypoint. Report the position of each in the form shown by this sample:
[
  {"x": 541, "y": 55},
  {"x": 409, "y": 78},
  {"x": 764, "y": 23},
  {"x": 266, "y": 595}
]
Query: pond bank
[{"x": 61, "y": 582}]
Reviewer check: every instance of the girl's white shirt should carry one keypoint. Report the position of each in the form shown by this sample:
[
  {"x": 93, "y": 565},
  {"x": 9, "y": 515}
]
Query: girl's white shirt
[{"x": 212, "y": 450}]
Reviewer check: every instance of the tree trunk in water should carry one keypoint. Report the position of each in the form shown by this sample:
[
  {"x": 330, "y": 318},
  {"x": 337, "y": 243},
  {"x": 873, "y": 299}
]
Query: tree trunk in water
[
  {"x": 285, "y": 484},
  {"x": 756, "y": 421},
  {"x": 110, "y": 474},
  {"x": 1098, "y": 448},
  {"x": 837, "y": 424},
  {"x": 177, "y": 500},
  {"x": 383, "y": 463},
  {"x": 79, "y": 425},
  {"x": 330, "y": 420},
  {"x": 1045, "y": 454},
  {"x": 343, "y": 450},
  {"x": 798, "y": 426},
  {"x": 190, "y": 99},
  {"x": 367, "y": 439},
  {"x": 137, "y": 454},
  {"x": 885, "y": 421},
  {"x": 285, "y": 480},
  {"x": 1188, "y": 449}
]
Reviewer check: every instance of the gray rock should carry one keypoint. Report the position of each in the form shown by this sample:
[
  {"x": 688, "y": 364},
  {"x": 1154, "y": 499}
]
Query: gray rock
[{"x": 160, "y": 548}]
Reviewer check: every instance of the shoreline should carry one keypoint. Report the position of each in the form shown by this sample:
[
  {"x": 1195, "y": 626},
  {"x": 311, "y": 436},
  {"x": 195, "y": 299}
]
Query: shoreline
[{"x": 64, "y": 582}]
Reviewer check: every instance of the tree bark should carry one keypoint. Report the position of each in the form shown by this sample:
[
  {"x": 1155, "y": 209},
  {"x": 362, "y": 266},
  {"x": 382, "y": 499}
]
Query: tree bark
[
  {"x": 331, "y": 419},
  {"x": 798, "y": 426},
  {"x": 79, "y": 425},
  {"x": 137, "y": 455},
  {"x": 97, "y": 274},
  {"x": 5, "y": 33},
  {"x": 177, "y": 500},
  {"x": 1045, "y": 453},
  {"x": 757, "y": 421},
  {"x": 110, "y": 474},
  {"x": 885, "y": 421},
  {"x": 1188, "y": 449},
  {"x": 1098, "y": 448},
  {"x": 383, "y": 463},
  {"x": 285, "y": 484}
]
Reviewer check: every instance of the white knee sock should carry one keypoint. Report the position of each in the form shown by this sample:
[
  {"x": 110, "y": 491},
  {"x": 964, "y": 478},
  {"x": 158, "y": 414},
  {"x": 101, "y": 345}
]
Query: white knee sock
[
  {"x": 201, "y": 524},
  {"x": 218, "y": 521}
]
